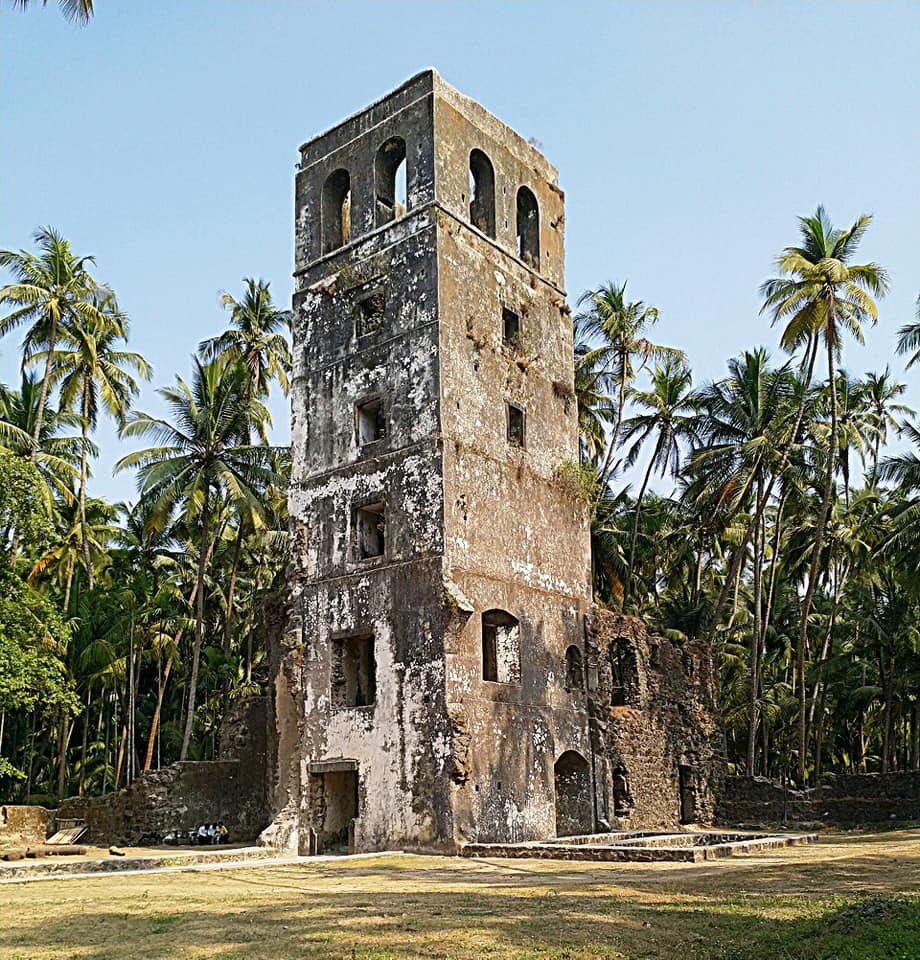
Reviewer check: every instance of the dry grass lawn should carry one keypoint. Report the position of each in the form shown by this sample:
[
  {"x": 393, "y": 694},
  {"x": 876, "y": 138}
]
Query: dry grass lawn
[{"x": 848, "y": 896}]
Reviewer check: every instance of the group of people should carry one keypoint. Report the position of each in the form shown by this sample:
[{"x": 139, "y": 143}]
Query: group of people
[
  {"x": 212, "y": 833},
  {"x": 203, "y": 835}
]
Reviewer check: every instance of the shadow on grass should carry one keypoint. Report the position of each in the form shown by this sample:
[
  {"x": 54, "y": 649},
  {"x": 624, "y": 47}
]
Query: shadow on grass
[{"x": 497, "y": 922}]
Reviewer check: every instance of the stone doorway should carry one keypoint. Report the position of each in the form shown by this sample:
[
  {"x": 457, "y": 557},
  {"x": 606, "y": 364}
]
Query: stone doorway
[
  {"x": 333, "y": 788},
  {"x": 574, "y": 811},
  {"x": 687, "y": 793}
]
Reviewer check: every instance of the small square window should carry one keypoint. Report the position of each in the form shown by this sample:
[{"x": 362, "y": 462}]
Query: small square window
[
  {"x": 515, "y": 426},
  {"x": 511, "y": 326},
  {"x": 370, "y": 422},
  {"x": 370, "y": 312},
  {"x": 370, "y": 531}
]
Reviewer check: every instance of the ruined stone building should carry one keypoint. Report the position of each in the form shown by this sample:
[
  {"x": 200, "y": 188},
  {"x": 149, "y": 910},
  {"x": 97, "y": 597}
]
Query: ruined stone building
[{"x": 443, "y": 677}]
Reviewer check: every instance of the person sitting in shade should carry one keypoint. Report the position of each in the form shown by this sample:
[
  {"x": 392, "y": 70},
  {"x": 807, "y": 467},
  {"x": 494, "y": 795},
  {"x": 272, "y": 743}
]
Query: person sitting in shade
[
  {"x": 223, "y": 834},
  {"x": 202, "y": 834}
]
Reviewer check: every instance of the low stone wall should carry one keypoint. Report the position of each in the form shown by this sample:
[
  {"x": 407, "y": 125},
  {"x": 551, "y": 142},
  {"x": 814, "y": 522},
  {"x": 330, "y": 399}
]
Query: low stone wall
[
  {"x": 182, "y": 796},
  {"x": 844, "y": 799},
  {"x": 22, "y": 825}
]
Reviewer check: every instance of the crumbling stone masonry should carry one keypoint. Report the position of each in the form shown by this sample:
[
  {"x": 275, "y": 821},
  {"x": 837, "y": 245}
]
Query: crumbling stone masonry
[{"x": 440, "y": 679}]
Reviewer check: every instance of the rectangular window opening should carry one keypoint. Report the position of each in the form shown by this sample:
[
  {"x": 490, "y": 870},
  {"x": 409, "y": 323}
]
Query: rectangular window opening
[
  {"x": 490, "y": 652},
  {"x": 515, "y": 426},
  {"x": 370, "y": 421},
  {"x": 370, "y": 312},
  {"x": 370, "y": 529},
  {"x": 354, "y": 672},
  {"x": 511, "y": 326}
]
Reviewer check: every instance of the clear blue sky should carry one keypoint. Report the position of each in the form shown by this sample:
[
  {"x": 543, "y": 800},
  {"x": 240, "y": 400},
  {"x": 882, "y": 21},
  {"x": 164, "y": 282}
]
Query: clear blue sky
[{"x": 688, "y": 136}]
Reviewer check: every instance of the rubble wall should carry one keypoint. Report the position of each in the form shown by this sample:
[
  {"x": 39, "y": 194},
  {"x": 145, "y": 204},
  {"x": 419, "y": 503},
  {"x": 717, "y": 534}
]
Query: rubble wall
[
  {"x": 182, "y": 795},
  {"x": 669, "y": 720},
  {"x": 841, "y": 799}
]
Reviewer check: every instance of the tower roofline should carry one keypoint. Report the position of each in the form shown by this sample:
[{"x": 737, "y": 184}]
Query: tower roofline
[{"x": 429, "y": 81}]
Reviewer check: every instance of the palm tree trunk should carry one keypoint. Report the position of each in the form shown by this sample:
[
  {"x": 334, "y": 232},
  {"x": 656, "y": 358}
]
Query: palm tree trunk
[
  {"x": 69, "y": 583},
  {"x": 63, "y": 743},
  {"x": 635, "y": 529},
  {"x": 814, "y": 566},
  {"x": 155, "y": 722},
  {"x": 199, "y": 629},
  {"x": 811, "y": 353},
  {"x": 759, "y": 533},
  {"x": 89, "y": 692},
  {"x": 43, "y": 393},
  {"x": 84, "y": 532},
  {"x": 614, "y": 437}
]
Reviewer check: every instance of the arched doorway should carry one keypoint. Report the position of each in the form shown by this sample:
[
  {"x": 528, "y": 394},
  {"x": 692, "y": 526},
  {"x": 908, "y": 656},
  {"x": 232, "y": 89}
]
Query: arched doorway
[{"x": 574, "y": 810}]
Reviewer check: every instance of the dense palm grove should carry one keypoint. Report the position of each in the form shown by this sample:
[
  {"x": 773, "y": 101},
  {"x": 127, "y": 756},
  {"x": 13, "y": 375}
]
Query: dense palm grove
[{"x": 761, "y": 511}]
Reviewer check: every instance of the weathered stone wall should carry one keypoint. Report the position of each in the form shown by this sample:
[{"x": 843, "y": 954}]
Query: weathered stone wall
[
  {"x": 407, "y": 312},
  {"x": 843, "y": 799},
  {"x": 669, "y": 721},
  {"x": 22, "y": 825},
  {"x": 182, "y": 796}
]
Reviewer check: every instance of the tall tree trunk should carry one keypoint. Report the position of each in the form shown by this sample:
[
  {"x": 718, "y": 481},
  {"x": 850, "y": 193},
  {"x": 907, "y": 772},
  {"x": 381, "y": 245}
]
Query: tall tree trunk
[
  {"x": 43, "y": 393},
  {"x": 635, "y": 529},
  {"x": 89, "y": 692},
  {"x": 84, "y": 530},
  {"x": 199, "y": 629},
  {"x": 759, "y": 533},
  {"x": 63, "y": 744},
  {"x": 155, "y": 722},
  {"x": 614, "y": 437},
  {"x": 228, "y": 621},
  {"x": 811, "y": 354},
  {"x": 71, "y": 562},
  {"x": 813, "y": 570}
]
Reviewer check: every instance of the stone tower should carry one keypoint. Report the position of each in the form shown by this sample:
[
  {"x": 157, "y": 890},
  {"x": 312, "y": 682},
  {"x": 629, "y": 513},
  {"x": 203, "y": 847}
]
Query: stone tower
[{"x": 429, "y": 689}]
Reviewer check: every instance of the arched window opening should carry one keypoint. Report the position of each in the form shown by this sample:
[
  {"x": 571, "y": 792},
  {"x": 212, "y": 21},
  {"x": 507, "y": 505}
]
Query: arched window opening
[
  {"x": 501, "y": 647},
  {"x": 574, "y": 806},
  {"x": 390, "y": 181},
  {"x": 528, "y": 228},
  {"x": 574, "y": 669},
  {"x": 482, "y": 193},
  {"x": 336, "y": 212}
]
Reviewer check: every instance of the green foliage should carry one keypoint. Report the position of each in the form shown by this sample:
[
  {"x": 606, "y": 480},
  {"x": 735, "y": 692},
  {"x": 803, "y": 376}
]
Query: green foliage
[
  {"x": 578, "y": 480},
  {"x": 24, "y": 510}
]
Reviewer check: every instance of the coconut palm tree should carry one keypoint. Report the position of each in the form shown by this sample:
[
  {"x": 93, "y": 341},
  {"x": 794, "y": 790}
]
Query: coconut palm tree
[
  {"x": 203, "y": 458},
  {"x": 881, "y": 392},
  {"x": 822, "y": 294},
  {"x": 669, "y": 418},
  {"x": 909, "y": 339},
  {"x": 256, "y": 337},
  {"x": 76, "y": 11},
  {"x": 93, "y": 372},
  {"x": 621, "y": 327},
  {"x": 59, "y": 447},
  {"x": 53, "y": 289}
]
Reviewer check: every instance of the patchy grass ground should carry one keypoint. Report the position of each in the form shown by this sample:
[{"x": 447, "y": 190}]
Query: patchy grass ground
[{"x": 848, "y": 897}]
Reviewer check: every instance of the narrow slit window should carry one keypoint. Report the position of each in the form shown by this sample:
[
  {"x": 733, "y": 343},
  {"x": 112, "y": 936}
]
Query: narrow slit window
[
  {"x": 370, "y": 313},
  {"x": 482, "y": 193},
  {"x": 370, "y": 531},
  {"x": 511, "y": 326},
  {"x": 354, "y": 672},
  {"x": 336, "y": 211},
  {"x": 370, "y": 421},
  {"x": 390, "y": 181},
  {"x": 515, "y": 426},
  {"x": 501, "y": 647},
  {"x": 528, "y": 228}
]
